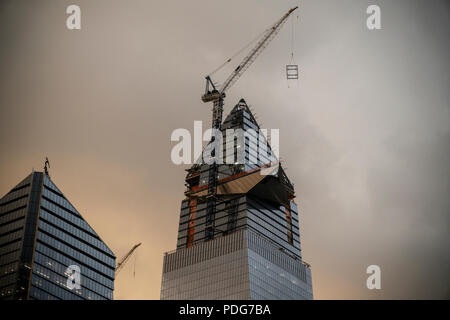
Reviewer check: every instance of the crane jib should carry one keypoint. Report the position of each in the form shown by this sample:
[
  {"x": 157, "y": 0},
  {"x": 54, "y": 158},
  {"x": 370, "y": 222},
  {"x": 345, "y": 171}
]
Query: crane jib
[{"x": 248, "y": 60}]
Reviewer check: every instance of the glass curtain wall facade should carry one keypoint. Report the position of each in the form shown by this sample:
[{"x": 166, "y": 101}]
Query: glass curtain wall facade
[
  {"x": 41, "y": 235},
  {"x": 241, "y": 266},
  {"x": 255, "y": 250}
]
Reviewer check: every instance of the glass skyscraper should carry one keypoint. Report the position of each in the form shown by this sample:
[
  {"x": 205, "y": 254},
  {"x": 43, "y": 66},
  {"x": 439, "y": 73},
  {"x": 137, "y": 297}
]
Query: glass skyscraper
[
  {"x": 44, "y": 241},
  {"x": 249, "y": 246}
]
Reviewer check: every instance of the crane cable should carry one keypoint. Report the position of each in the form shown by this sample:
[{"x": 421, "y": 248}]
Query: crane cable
[
  {"x": 292, "y": 42},
  {"x": 134, "y": 267},
  {"x": 292, "y": 62},
  {"x": 293, "y": 35}
]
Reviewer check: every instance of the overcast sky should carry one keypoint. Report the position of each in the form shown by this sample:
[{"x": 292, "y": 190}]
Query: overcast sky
[{"x": 364, "y": 133}]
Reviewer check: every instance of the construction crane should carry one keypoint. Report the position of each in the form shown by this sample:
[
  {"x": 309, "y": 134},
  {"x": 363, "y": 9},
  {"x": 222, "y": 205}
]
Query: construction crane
[
  {"x": 217, "y": 96},
  {"x": 125, "y": 258}
]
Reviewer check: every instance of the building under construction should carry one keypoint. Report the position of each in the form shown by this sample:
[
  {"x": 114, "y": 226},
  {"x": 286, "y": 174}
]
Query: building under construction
[
  {"x": 248, "y": 247},
  {"x": 238, "y": 236}
]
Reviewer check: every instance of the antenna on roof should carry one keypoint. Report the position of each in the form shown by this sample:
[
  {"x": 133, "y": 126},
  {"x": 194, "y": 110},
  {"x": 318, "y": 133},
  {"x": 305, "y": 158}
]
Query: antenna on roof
[{"x": 46, "y": 163}]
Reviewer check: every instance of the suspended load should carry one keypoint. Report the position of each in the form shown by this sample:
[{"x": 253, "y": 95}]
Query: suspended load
[
  {"x": 292, "y": 71},
  {"x": 292, "y": 67}
]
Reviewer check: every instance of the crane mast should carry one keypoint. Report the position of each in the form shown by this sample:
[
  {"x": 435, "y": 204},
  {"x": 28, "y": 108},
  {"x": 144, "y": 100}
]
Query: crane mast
[{"x": 217, "y": 96}]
